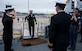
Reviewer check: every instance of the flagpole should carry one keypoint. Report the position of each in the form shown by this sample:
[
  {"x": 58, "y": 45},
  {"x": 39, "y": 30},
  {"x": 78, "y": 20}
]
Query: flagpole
[{"x": 28, "y": 5}]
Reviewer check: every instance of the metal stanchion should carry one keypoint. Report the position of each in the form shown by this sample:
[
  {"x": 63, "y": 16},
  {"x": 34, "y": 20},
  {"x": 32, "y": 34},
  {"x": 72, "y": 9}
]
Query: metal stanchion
[
  {"x": 38, "y": 29},
  {"x": 22, "y": 26},
  {"x": 41, "y": 28}
]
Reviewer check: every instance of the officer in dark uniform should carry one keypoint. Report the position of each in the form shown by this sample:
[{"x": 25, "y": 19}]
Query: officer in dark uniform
[
  {"x": 31, "y": 22},
  {"x": 59, "y": 29},
  {"x": 7, "y": 21}
]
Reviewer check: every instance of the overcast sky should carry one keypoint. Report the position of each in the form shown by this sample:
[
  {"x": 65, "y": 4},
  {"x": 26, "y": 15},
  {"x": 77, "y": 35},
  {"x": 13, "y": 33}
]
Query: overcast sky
[{"x": 38, "y": 6}]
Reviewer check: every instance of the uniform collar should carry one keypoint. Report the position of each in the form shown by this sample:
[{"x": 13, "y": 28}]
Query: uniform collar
[{"x": 61, "y": 11}]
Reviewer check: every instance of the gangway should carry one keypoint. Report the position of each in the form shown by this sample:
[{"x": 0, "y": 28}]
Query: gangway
[{"x": 25, "y": 31}]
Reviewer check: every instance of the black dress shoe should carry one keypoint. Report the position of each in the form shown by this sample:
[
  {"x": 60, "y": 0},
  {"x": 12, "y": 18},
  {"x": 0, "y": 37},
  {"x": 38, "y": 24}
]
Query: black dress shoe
[{"x": 69, "y": 48}]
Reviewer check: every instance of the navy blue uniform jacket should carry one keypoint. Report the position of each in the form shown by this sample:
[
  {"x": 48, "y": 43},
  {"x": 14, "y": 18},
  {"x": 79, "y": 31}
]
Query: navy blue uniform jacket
[
  {"x": 59, "y": 31},
  {"x": 8, "y": 27}
]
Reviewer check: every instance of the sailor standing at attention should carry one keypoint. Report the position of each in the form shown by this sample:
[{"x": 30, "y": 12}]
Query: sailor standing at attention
[{"x": 59, "y": 29}]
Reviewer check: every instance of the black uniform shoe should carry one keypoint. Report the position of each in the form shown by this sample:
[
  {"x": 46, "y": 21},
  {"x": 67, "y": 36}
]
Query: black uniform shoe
[{"x": 71, "y": 49}]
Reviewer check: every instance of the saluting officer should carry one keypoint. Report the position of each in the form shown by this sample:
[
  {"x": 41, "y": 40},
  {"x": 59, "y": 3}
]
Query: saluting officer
[
  {"x": 59, "y": 29},
  {"x": 31, "y": 23},
  {"x": 7, "y": 21}
]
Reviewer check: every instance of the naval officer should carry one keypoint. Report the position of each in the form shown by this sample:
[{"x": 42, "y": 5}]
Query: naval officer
[
  {"x": 7, "y": 21},
  {"x": 31, "y": 23},
  {"x": 59, "y": 29}
]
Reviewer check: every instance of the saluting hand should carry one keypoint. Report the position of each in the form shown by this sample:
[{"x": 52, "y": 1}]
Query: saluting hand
[{"x": 74, "y": 17}]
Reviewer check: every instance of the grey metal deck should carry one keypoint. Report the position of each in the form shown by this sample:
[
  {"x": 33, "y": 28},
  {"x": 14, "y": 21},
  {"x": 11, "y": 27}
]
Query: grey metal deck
[{"x": 42, "y": 47}]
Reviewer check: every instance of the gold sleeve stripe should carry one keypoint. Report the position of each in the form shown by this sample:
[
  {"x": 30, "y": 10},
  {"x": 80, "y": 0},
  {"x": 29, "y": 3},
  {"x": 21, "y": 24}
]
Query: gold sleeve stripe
[{"x": 50, "y": 44}]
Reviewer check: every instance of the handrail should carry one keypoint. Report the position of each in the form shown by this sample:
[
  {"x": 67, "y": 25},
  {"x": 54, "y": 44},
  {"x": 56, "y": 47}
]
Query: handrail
[{"x": 39, "y": 28}]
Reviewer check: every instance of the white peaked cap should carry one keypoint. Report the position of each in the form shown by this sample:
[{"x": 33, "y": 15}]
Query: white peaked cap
[
  {"x": 9, "y": 8},
  {"x": 60, "y": 2}
]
